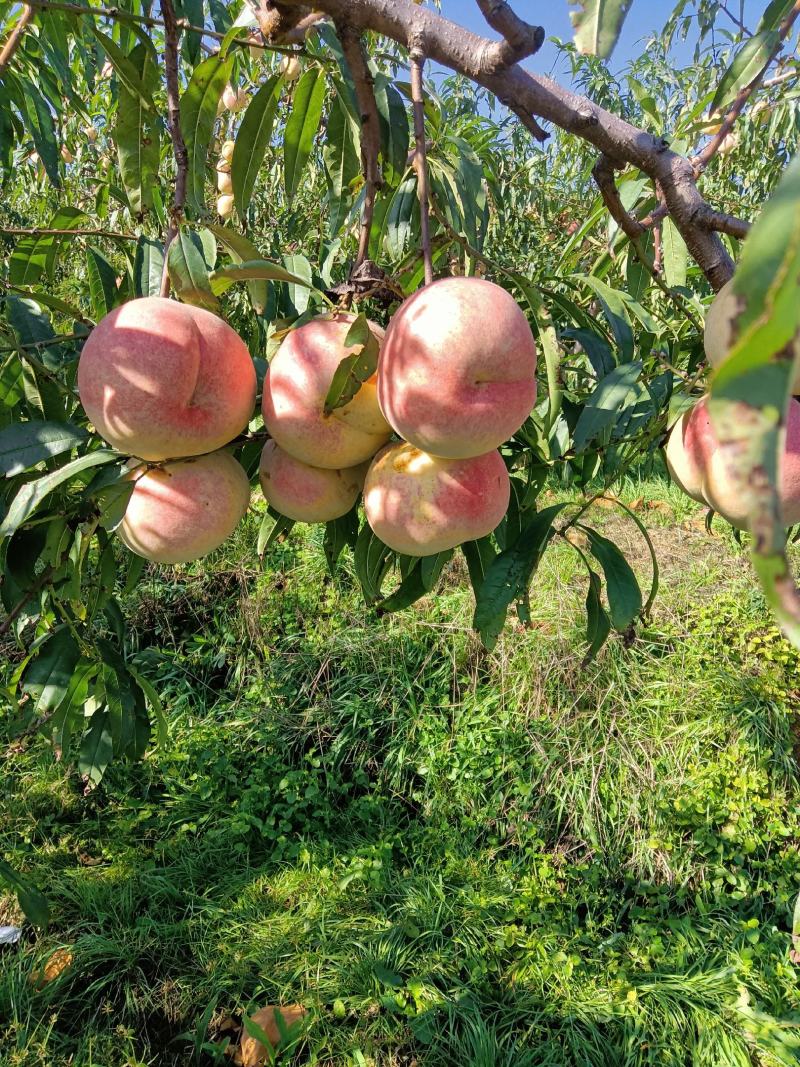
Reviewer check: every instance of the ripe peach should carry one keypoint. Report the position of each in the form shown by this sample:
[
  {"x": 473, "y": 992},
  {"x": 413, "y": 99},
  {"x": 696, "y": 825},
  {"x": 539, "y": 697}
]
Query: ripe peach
[
  {"x": 184, "y": 510},
  {"x": 457, "y": 370},
  {"x": 718, "y": 332},
  {"x": 699, "y": 468},
  {"x": 420, "y": 504},
  {"x": 295, "y": 389},
  {"x": 305, "y": 493},
  {"x": 161, "y": 380}
]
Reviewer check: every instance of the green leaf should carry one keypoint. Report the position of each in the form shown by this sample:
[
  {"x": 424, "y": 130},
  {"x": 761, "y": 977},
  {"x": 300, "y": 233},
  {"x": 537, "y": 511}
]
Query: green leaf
[
  {"x": 97, "y": 747},
  {"x": 356, "y": 367},
  {"x": 23, "y": 445},
  {"x": 338, "y": 534},
  {"x": 372, "y": 560},
  {"x": 747, "y": 64},
  {"x": 131, "y": 78},
  {"x": 605, "y": 403},
  {"x": 302, "y": 127},
  {"x": 614, "y": 306},
  {"x": 598, "y": 624},
  {"x": 241, "y": 250},
  {"x": 410, "y": 590},
  {"x": 252, "y": 141},
  {"x": 30, "y": 899},
  {"x": 38, "y": 120},
  {"x": 31, "y": 495},
  {"x": 102, "y": 283},
  {"x": 189, "y": 271},
  {"x": 597, "y": 24},
  {"x": 153, "y": 699},
  {"x": 401, "y": 218},
  {"x": 36, "y": 253},
  {"x": 341, "y": 154},
  {"x": 624, "y": 594},
  {"x": 148, "y": 266},
  {"x": 136, "y": 134},
  {"x": 198, "y": 116},
  {"x": 509, "y": 574},
  {"x": 48, "y": 676},
  {"x": 260, "y": 268},
  {"x": 676, "y": 254},
  {"x": 394, "y": 125}
]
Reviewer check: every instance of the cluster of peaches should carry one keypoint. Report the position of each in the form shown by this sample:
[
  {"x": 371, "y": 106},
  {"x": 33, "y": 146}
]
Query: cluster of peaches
[
  {"x": 694, "y": 458},
  {"x": 172, "y": 384}
]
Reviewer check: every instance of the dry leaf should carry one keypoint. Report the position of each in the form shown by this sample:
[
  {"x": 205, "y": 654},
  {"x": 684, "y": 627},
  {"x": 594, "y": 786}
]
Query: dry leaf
[
  {"x": 638, "y": 504},
  {"x": 659, "y": 505},
  {"x": 55, "y": 966},
  {"x": 253, "y": 1052}
]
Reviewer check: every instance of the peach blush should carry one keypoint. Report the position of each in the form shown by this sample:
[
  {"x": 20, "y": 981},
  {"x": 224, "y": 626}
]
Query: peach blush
[
  {"x": 457, "y": 371},
  {"x": 184, "y": 510},
  {"x": 295, "y": 389},
  {"x": 421, "y": 504},
  {"x": 305, "y": 493},
  {"x": 162, "y": 380}
]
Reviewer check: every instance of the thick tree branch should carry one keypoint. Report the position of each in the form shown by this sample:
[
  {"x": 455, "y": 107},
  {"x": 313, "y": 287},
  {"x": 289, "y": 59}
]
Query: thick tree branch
[
  {"x": 702, "y": 159},
  {"x": 449, "y": 44},
  {"x": 15, "y": 37},
  {"x": 363, "y": 81},
  {"x": 171, "y": 41},
  {"x": 603, "y": 174},
  {"x": 421, "y": 161},
  {"x": 520, "y": 38},
  {"x": 723, "y": 223}
]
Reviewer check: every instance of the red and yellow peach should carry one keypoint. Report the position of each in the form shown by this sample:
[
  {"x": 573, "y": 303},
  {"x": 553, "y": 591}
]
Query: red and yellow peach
[{"x": 305, "y": 493}]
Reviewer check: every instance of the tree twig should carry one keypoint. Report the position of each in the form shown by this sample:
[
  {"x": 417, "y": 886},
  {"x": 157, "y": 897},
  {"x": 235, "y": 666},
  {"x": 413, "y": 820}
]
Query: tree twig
[
  {"x": 421, "y": 160},
  {"x": 171, "y": 41},
  {"x": 42, "y": 231},
  {"x": 657, "y": 248},
  {"x": 703, "y": 158},
  {"x": 724, "y": 223},
  {"x": 363, "y": 82},
  {"x": 15, "y": 37},
  {"x": 520, "y": 39}
]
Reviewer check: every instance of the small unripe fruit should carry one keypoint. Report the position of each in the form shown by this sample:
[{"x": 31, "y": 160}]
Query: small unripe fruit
[
  {"x": 729, "y": 142},
  {"x": 305, "y": 493},
  {"x": 234, "y": 99},
  {"x": 105, "y": 163},
  {"x": 66, "y": 155},
  {"x": 290, "y": 68},
  {"x": 90, "y": 133},
  {"x": 420, "y": 505},
  {"x": 182, "y": 511},
  {"x": 225, "y": 205},
  {"x": 226, "y": 152},
  {"x": 256, "y": 46},
  {"x": 224, "y": 183}
]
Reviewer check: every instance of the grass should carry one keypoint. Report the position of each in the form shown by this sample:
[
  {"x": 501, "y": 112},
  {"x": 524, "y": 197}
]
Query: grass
[{"x": 451, "y": 857}]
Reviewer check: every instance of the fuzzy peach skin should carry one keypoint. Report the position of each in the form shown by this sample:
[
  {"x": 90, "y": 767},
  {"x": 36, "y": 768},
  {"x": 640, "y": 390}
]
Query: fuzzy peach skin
[
  {"x": 184, "y": 510},
  {"x": 697, "y": 464},
  {"x": 305, "y": 493},
  {"x": 420, "y": 504},
  {"x": 162, "y": 380},
  {"x": 683, "y": 450},
  {"x": 718, "y": 330},
  {"x": 457, "y": 371},
  {"x": 295, "y": 389}
]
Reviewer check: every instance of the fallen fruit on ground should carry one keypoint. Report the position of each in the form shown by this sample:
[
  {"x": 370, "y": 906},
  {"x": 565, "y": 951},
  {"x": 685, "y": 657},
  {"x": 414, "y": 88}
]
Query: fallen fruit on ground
[
  {"x": 253, "y": 1052},
  {"x": 718, "y": 335},
  {"x": 161, "y": 380},
  {"x": 184, "y": 510},
  {"x": 420, "y": 504},
  {"x": 697, "y": 466},
  {"x": 295, "y": 390},
  {"x": 457, "y": 372},
  {"x": 305, "y": 493}
]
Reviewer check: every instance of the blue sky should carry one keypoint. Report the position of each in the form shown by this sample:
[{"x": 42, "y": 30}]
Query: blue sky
[{"x": 643, "y": 17}]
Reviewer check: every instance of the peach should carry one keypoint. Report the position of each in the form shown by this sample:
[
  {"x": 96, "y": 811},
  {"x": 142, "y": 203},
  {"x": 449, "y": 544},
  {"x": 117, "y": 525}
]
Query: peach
[
  {"x": 718, "y": 332},
  {"x": 420, "y": 504},
  {"x": 161, "y": 380},
  {"x": 184, "y": 510},
  {"x": 305, "y": 493},
  {"x": 224, "y": 183},
  {"x": 290, "y": 68},
  {"x": 457, "y": 373},
  {"x": 233, "y": 99},
  {"x": 295, "y": 389},
  {"x": 226, "y": 152},
  {"x": 699, "y": 468},
  {"x": 225, "y": 204}
]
